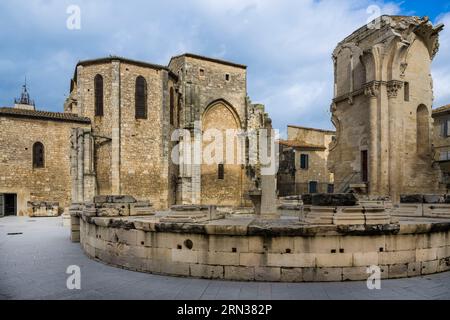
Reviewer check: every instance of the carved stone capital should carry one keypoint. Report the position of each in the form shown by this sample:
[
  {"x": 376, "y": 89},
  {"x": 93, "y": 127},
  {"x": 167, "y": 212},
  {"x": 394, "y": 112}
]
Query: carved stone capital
[
  {"x": 372, "y": 89},
  {"x": 393, "y": 87}
]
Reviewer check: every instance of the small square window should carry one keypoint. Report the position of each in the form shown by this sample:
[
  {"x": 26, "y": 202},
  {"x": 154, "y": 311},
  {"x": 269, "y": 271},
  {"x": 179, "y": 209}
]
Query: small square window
[
  {"x": 227, "y": 77},
  {"x": 202, "y": 72}
]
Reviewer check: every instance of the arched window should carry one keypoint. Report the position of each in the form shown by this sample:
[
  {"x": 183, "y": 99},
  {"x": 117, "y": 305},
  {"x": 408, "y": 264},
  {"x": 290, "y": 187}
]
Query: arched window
[
  {"x": 98, "y": 91},
  {"x": 141, "y": 98},
  {"x": 172, "y": 106},
  {"x": 423, "y": 131},
  {"x": 38, "y": 155}
]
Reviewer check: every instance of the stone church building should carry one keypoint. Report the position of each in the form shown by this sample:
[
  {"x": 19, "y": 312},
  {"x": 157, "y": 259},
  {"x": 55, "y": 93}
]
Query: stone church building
[{"x": 114, "y": 136}]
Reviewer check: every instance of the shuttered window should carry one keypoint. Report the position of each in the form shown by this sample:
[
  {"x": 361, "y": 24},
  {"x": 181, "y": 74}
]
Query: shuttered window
[
  {"x": 304, "y": 159},
  {"x": 141, "y": 98},
  {"x": 98, "y": 91}
]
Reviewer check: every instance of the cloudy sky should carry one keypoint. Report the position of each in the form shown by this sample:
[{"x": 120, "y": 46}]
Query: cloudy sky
[{"x": 287, "y": 44}]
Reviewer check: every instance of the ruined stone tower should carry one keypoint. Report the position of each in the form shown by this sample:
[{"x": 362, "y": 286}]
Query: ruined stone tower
[{"x": 383, "y": 95}]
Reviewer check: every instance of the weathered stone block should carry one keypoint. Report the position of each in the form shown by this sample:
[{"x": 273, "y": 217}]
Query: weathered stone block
[
  {"x": 251, "y": 259},
  {"x": 322, "y": 274},
  {"x": 317, "y": 244},
  {"x": 397, "y": 257},
  {"x": 429, "y": 267},
  {"x": 185, "y": 256},
  {"x": 228, "y": 244},
  {"x": 354, "y": 273},
  {"x": 426, "y": 254},
  {"x": 280, "y": 244},
  {"x": 291, "y": 260},
  {"x": 239, "y": 273},
  {"x": 219, "y": 258},
  {"x": 398, "y": 270},
  {"x": 401, "y": 242},
  {"x": 334, "y": 260},
  {"x": 364, "y": 259},
  {"x": 414, "y": 269},
  {"x": 291, "y": 274},
  {"x": 267, "y": 274},
  {"x": 444, "y": 265},
  {"x": 206, "y": 271}
]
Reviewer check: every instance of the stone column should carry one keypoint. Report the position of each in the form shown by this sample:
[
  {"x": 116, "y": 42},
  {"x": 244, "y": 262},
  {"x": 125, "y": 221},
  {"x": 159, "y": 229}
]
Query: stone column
[
  {"x": 269, "y": 181},
  {"x": 74, "y": 164},
  {"x": 196, "y": 169},
  {"x": 89, "y": 174},
  {"x": 80, "y": 182},
  {"x": 383, "y": 133},
  {"x": 115, "y": 129},
  {"x": 80, "y": 105},
  {"x": 165, "y": 139},
  {"x": 394, "y": 141},
  {"x": 372, "y": 91}
]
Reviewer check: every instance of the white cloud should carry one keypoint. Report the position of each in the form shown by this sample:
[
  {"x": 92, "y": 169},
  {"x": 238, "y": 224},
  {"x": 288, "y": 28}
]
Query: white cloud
[
  {"x": 287, "y": 44},
  {"x": 441, "y": 67}
]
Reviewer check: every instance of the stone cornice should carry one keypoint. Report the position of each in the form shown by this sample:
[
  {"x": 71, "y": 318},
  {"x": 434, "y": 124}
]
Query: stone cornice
[{"x": 372, "y": 89}]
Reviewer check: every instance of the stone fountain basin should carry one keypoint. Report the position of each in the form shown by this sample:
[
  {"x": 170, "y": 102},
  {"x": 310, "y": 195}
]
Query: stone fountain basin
[{"x": 251, "y": 249}]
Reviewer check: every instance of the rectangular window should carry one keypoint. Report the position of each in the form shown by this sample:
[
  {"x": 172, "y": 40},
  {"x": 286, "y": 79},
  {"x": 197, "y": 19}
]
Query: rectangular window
[
  {"x": 364, "y": 166},
  {"x": 313, "y": 187},
  {"x": 447, "y": 126},
  {"x": 330, "y": 188},
  {"x": 406, "y": 91},
  {"x": 304, "y": 159},
  {"x": 227, "y": 77},
  {"x": 220, "y": 171},
  {"x": 202, "y": 72}
]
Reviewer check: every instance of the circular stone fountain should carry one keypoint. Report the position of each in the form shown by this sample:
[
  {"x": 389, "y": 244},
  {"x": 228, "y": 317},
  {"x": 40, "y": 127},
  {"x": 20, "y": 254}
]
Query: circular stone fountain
[{"x": 336, "y": 238}]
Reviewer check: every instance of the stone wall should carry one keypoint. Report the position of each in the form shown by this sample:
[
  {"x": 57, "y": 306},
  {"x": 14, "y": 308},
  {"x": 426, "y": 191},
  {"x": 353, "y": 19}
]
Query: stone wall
[
  {"x": 131, "y": 155},
  {"x": 17, "y": 175},
  {"x": 208, "y": 84},
  {"x": 241, "y": 252}
]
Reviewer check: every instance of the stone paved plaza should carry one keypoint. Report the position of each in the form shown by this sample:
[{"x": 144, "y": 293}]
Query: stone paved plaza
[{"x": 33, "y": 266}]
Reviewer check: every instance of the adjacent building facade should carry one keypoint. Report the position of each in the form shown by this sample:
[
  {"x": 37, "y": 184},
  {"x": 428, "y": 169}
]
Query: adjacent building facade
[
  {"x": 304, "y": 162},
  {"x": 117, "y": 135}
]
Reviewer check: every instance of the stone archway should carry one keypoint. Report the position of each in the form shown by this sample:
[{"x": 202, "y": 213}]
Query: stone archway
[
  {"x": 221, "y": 179},
  {"x": 423, "y": 131}
]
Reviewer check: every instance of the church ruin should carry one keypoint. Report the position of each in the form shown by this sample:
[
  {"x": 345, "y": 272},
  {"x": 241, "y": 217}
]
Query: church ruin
[{"x": 383, "y": 96}]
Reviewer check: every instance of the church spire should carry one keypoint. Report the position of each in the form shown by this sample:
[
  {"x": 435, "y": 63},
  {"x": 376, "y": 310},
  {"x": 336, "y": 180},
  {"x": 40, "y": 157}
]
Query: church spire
[{"x": 24, "y": 102}]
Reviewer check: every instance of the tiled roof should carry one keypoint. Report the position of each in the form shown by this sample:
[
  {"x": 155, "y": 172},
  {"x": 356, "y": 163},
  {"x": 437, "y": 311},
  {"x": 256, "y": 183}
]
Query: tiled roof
[
  {"x": 196, "y": 56},
  {"x": 441, "y": 109},
  {"x": 300, "y": 145},
  {"x": 312, "y": 129},
  {"x": 130, "y": 61},
  {"x": 45, "y": 115}
]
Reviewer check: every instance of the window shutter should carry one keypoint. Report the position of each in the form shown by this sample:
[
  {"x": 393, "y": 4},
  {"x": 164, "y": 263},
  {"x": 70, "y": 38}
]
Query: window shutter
[{"x": 141, "y": 98}]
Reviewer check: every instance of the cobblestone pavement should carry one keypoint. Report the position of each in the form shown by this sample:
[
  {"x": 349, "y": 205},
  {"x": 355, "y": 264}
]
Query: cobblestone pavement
[{"x": 33, "y": 266}]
